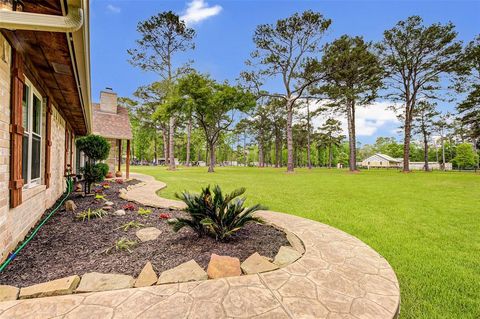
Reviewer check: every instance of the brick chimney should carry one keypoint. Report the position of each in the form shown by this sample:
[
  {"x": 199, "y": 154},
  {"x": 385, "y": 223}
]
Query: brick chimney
[{"x": 108, "y": 101}]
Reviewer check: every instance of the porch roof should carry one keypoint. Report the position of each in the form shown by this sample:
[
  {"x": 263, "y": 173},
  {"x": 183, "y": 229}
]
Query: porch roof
[{"x": 112, "y": 125}]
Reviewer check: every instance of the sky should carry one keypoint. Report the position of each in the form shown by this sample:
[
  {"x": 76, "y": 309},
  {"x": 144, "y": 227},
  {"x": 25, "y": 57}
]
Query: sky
[{"x": 224, "y": 38}]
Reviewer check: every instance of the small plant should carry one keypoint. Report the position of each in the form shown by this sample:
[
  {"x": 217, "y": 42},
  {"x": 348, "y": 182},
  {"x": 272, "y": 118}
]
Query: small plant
[
  {"x": 144, "y": 211},
  {"x": 100, "y": 196},
  {"x": 213, "y": 214},
  {"x": 105, "y": 185},
  {"x": 119, "y": 181},
  {"x": 90, "y": 214},
  {"x": 164, "y": 216},
  {"x": 103, "y": 168},
  {"x": 129, "y": 206},
  {"x": 96, "y": 148},
  {"x": 122, "y": 244},
  {"x": 132, "y": 224}
]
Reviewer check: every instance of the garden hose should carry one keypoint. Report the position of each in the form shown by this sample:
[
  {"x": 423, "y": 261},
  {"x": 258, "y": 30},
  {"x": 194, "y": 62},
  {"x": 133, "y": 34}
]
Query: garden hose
[{"x": 15, "y": 253}]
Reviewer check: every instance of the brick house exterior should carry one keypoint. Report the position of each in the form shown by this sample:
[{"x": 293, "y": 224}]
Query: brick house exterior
[{"x": 44, "y": 105}]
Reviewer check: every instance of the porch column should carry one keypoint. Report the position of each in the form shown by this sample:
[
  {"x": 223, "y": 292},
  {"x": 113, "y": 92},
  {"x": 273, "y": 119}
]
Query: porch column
[
  {"x": 119, "y": 155},
  {"x": 128, "y": 160}
]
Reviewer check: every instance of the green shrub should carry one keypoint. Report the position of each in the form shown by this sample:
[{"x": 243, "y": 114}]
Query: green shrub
[
  {"x": 131, "y": 224},
  {"x": 216, "y": 215},
  {"x": 104, "y": 168},
  {"x": 96, "y": 148}
]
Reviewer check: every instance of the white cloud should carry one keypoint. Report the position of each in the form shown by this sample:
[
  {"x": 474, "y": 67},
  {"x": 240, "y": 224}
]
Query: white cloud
[
  {"x": 113, "y": 9},
  {"x": 368, "y": 119},
  {"x": 198, "y": 10}
]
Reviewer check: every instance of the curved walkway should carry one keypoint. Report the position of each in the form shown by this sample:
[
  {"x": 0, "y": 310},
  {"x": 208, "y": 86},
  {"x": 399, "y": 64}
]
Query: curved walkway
[{"x": 338, "y": 277}]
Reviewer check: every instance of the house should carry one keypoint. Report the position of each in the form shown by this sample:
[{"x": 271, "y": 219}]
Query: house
[
  {"x": 384, "y": 161},
  {"x": 380, "y": 160},
  {"x": 111, "y": 121},
  {"x": 44, "y": 105}
]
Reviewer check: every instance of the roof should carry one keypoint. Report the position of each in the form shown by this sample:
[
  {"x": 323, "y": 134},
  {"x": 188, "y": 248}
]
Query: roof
[
  {"x": 112, "y": 125},
  {"x": 382, "y": 156}
]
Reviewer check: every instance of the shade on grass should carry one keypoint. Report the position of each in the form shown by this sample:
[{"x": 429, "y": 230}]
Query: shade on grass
[{"x": 427, "y": 225}]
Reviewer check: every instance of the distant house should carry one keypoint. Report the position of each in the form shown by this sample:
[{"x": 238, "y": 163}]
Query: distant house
[
  {"x": 381, "y": 160},
  {"x": 111, "y": 121}
]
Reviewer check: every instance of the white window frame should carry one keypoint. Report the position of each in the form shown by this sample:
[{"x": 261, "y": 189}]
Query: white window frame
[{"x": 27, "y": 180}]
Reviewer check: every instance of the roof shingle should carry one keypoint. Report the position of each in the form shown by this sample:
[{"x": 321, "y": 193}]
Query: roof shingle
[{"x": 111, "y": 125}]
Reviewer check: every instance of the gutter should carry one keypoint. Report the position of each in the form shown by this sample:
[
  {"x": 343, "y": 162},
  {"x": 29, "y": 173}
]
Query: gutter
[{"x": 17, "y": 20}]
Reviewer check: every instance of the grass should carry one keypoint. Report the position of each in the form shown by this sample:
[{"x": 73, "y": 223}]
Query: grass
[{"x": 427, "y": 225}]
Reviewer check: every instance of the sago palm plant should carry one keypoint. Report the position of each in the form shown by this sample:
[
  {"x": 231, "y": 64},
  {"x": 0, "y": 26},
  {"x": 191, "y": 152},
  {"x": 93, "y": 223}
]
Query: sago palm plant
[{"x": 213, "y": 214}]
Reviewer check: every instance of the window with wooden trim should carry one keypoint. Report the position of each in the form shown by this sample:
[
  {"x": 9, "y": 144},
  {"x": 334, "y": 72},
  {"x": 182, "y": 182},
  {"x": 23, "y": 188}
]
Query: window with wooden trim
[{"x": 32, "y": 136}]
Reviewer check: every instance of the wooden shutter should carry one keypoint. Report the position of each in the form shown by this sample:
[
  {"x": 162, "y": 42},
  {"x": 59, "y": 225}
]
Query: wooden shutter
[
  {"x": 16, "y": 130},
  {"x": 48, "y": 143}
]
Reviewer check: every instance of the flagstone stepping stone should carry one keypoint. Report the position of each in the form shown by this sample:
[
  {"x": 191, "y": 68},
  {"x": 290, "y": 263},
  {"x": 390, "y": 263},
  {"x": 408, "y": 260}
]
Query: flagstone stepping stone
[
  {"x": 286, "y": 256},
  {"x": 62, "y": 286},
  {"x": 147, "y": 234},
  {"x": 94, "y": 281},
  {"x": 109, "y": 203},
  {"x": 256, "y": 264},
  {"x": 295, "y": 242},
  {"x": 8, "y": 292},
  {"x": 147, "y": 276},
  {"x": 119, "y": 212},
  {"x": 188, "y": 271},
  {"x": 223, "y": 266}
]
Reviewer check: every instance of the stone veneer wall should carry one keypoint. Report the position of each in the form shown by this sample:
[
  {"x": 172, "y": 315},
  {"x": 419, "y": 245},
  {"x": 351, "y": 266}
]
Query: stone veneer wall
[
  {"x": 112, "y": 156},
  {"x": 15, "y": 223}
]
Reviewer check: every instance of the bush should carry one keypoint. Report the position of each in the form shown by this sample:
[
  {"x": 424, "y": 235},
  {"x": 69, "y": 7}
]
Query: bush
[
  {"x": 92, "y": 173},
  {"x": 95, "y": 147},
  {"x": 104, "y": 168},
  {"x": 216, "y": 215}
]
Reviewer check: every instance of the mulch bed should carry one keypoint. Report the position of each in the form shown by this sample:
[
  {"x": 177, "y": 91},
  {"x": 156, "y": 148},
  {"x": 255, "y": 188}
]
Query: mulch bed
[{"x": 65, "y": 246}]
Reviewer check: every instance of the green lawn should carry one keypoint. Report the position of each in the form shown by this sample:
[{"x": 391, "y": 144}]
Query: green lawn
[{"x": 427, "y": 225}]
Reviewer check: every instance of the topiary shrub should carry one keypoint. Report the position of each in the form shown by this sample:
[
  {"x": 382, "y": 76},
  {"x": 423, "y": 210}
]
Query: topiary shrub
[
  {"x": 104, "y": 168},
  {"x": 96, "y": 148},
  {"x": 216, "y": 215}
]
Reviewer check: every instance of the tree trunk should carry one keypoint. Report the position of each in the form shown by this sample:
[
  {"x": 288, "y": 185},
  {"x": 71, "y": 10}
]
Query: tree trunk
[
  {"x": 277, "y": 151},
  {"x": 425, "y": 150},
  {"x": 290, "y": 163},
  {"x": 171, "y": 143},
  {"x": 189, "y": 135},
  {"x": 352, "y": 160},
  {"x": 155, "y": 152},
  {"x": 309, "y": 161},
  {"x": 406, "y": 142},
  {"x": 244, "y": 149},
  {"x": 261, "y": 156},
  {"x": 443, "y": 152},
  {"x": 165, "y": 144},
  {"x": 330, "y": 156},
  {"x": 211, "y": 165}
]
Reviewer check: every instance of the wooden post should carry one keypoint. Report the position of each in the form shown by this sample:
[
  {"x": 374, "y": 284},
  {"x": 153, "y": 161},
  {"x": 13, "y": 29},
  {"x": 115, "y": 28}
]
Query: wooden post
[
  {"x": 128, "y": 160},
  {"x": 119, "y": 155},
  {"x": 16, "y": 131},
  {"x": 48, "y": 144}
]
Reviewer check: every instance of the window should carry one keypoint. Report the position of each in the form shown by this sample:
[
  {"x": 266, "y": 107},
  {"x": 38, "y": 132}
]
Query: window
[{"x": 32, "y": 136}]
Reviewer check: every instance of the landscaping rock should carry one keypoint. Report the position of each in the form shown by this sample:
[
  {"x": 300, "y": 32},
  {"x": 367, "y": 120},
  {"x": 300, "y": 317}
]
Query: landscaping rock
[
  {"x": 295, "y": 242},
  {"x": 147, "y": 234},
  {"x": 256, "y": 264},
  {"x": 70, "y": 206},
  {"x": 189, "y": 271},
  {"x": 223, "y": 266},
  {"x": 79, "y": 187},
  {"x": 109, "y": 203},
  {"x": 8, "y": 293},
  {"x": 286, "y": 256},
  {"x": 95, "y": 281},
  {"x": 119, "y": 212},
  {"x": 62, "y": 286},
  {"x": 147, "y": 276}
]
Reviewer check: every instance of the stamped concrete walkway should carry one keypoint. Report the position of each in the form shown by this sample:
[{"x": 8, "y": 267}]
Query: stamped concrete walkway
[{"x": 338, "y": 277}]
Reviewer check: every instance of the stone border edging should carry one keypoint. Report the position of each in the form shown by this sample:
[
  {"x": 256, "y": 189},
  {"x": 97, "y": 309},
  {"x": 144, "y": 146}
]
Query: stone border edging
[{"x": 338, "y": 276}]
